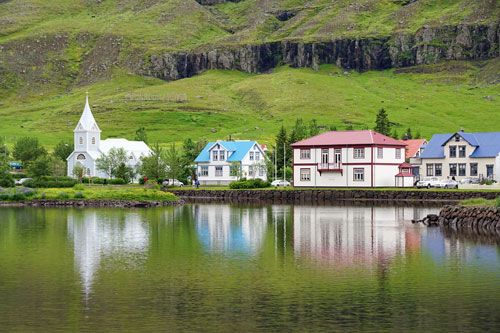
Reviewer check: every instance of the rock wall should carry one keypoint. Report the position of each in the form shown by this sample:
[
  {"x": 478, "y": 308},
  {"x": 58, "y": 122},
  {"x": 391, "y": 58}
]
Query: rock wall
[
  {"x": 100, "y": 203},
  {"x": 322, "y": 196},
  {"x": 428, "y": 45},
  {"x": 480, "y": 220}
]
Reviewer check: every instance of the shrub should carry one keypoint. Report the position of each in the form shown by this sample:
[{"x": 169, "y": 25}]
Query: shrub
[
  {"x": 16, "y": 194},
  {"x": 248, "y": 184},
  {"x": 6, "y": 181},
  {"x": 152, "y": 184},
  {"x": 19, "y": 175},
  {"x": 79, "y": 195},
  {"x": 116, "y": 181},
  {"x": 79, "y": 187},
  {"x": 51, "y": 182},
  {"x": 141, "y": 180},
  {"x": 62, "y": 195}
]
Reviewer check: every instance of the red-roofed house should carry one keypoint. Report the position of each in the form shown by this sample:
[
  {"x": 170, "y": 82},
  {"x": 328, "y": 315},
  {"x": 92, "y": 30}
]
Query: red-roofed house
[
  {"x": 413, "y": 150},
  {"x": 347, "y": 159}
]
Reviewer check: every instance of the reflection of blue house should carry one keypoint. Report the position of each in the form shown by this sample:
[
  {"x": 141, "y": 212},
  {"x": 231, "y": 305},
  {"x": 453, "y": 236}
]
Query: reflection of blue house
[{"x": 222, "y": 228}]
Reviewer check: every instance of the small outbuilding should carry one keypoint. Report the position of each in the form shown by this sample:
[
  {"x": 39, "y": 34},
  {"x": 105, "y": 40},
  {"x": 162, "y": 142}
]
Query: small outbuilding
[{"x": 405, "y": 177}]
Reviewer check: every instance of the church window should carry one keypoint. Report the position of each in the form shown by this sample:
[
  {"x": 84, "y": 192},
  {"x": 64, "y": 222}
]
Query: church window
[
  {"x": 93, "y": 140},
  {"x": 88, "y": 171},
  {"x": 80, "y": 157},
  {"x": 80, "y": 140},
  {"x": 131, "y": 157}
]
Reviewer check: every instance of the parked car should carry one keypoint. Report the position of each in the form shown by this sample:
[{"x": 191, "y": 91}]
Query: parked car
[
  {"x": 20, "y": 182},
  {"x": 470, "y": 180},
  {"x": 280, "y": 182},
  {"x": 427, "y": 182},
  {"x": 447, "y": 183},
  {"x": 15, "y": 165},
  {"x": 173, "y": 182}
]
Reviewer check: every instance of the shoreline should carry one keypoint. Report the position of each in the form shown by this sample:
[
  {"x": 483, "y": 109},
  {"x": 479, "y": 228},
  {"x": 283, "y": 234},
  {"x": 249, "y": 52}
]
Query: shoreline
[{"x": 91, "y": 203}]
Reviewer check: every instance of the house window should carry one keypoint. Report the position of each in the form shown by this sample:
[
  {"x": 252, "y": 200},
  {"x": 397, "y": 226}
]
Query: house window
[
  {"x": 80, "y": 140},
  {"x": 438, "y": 168},
  {"x": 261, "y": 171},
  {"x": 453, "y": 151},
  {"x": 257, "y": 156},
  {"x": 453, "y": 170},
  {"x": 204, "y": 171},
  {"x": 359, "y": 175},
  {"x": 222, "y": 155},
  {"x": 380, "y": 153},
  {"x": 398, "y": 153},
  {"x": 305, "y": 154},
  {"x": 430, "y": 169},
  {"x": 250, "y": 171},
  {"x": 461, "y": 169},
  {"x": 305, "y": 175},
  {"x": 457, "y": 138},
  {"x": 93, "y": 140},
  {"x": 218, "y": 171},
  {"x": 473, "y": 169},
  {"x": 88, "y": 171},
  {"x": 215, "y": 155},
  {"x": 251, "y": 156},
  {"x": 359, "y": 152},
  {"x": 461, "y": 151},
  {"x": 80, "y": 157}
]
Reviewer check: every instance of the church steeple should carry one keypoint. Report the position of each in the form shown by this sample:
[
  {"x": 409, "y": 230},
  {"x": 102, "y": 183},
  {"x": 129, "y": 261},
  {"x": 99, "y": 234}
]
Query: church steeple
[{"x": 87, "y": 133}]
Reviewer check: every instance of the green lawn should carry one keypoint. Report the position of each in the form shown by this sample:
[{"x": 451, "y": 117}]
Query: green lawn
[{"x": 106, "y": 193}]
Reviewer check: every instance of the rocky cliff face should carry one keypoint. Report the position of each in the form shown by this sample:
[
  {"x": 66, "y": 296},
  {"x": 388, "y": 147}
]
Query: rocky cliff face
[{"x": 428, "y": 45}]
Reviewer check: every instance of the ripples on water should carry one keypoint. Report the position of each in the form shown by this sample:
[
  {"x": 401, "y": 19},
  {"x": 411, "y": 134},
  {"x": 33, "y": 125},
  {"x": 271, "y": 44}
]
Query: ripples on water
[{"x": 226, "y": 267}]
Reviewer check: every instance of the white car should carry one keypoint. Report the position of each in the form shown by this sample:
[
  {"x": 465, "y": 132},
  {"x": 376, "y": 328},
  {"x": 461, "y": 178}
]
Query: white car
[
  {"x": 20, "y": 182},
  {"x": 427, "y": 182},
  {"x": 447, "y": 183},
  {"x": 280, "y": 182},
  {"x": 173, "y": 182}
]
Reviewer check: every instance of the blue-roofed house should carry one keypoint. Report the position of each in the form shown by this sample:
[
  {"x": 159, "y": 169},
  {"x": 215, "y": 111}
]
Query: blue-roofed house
[
  {"x": 223, "y": 162},
  {"x": 462, "y": 155}
]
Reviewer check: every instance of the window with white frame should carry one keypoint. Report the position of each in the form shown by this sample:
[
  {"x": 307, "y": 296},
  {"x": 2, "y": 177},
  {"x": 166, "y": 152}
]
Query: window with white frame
[
  {"x": 80, "y": 140},
  {"x": 251, "y": 156},
  {"x": 80, "y": 157},
  {"x": 222, "y": 155},
  {"x": 398, "y": 153},
  {"x": 257, "y": 156},
  {"x": 430, "y": 169},
  {"x": 218, "y": 171},
  {"x": 93, "y": 140},
  {"x": 380, "y": 153},
  {"x": 261, "y": 171},
  {"x": 215, "y": 155},
  {"x": 204, "y": 171},
  {"x": 359, "y": 175},
  {"x": 359, "y": 152},
  {"x": 251, "y": 171},
  {"x": 305, "y": 154},
  {"x": 305, "y": 175}
]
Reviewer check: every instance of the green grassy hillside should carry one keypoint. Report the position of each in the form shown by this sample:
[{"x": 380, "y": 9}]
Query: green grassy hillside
[{"x": 429, "y": 99}]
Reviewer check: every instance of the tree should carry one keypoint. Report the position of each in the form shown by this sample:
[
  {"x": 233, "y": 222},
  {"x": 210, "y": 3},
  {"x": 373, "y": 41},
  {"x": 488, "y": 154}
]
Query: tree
[
  {"x": 154, "y": 166},
  {"x": 417, "y": 136},
  {"x": 301, "y": 131},
  {"x": 394, "y": 134},
  {"x": 57, "y": 167},
  {"x": 175, "y": 163},
  {"x": 39, "y": 167},
  {"x": 109, "y": 163},
  {"x": 27, "y": 149},
  {"x": 333, "y": 128},
  {"x": 235, "y": 169},
  {"x": 383, "y": 126},
  {"x": 407, "y": 135},
  {"x": 192, "y": 148},
  {"x": 77, "y": 171},
  {"x": 349, "y": 127},
  {"x": 3, "y": 148},
  {"x": 281, "y": 141},
  {"x": 5, "y": 176},
  {"x": 125, "y": 172},
  {"x": 141, "y": 135},
  {"x": 63, "y": 150},
  {"x": 313, "y": 128}
]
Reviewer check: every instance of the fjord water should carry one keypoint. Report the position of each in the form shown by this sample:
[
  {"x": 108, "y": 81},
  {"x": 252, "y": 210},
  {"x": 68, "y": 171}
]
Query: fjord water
[{"x": 220, "y": 267}]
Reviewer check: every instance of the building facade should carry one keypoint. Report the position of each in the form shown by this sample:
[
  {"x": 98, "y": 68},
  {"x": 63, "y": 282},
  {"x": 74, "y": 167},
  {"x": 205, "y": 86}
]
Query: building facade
[
  {"x": 88, "y": 147},
  {"x": 462, "y": 155},
  {"x": 347, "y": 159},
  {"x": 223, "y": 162},
  {"x": 414, "y": 148}
]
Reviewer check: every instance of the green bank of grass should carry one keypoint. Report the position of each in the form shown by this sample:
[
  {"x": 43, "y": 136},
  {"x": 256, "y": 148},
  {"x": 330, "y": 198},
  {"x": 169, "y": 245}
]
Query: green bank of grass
[
  {"x": 478, "y": 202},
  {"x": 105, "y": 193},
  {"x": 216, "y": 104}
]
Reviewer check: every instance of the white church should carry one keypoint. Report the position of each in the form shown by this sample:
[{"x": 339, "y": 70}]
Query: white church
[{"x": 89, "y": 147}]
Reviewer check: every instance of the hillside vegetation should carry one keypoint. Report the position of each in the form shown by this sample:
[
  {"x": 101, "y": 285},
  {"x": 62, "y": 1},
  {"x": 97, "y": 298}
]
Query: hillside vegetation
[{"x": 123, "y": 52}]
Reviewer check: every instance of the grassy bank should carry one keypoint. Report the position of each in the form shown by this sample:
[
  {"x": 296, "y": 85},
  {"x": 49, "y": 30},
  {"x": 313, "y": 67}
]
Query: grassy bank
[
  {"x": 98, "y": 193},
  {"x": 479, "y": 202}
]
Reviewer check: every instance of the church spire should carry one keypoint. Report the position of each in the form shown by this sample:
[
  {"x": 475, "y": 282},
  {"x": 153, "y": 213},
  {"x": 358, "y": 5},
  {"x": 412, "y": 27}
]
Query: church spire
[{"x": 87, "y": 121}]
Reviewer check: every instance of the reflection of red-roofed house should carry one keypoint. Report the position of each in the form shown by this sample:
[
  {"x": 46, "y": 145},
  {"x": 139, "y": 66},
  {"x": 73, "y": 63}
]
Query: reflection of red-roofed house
[{"x": 414, "y": 148}]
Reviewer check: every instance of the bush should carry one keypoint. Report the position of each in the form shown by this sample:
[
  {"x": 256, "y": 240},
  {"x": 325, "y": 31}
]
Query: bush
[
  {"x": 16, "y": 194},
  {"x": 79, "y": 195},
  {"x": 141, "y": 180},
  {"x": 79, "y": 187},
  {"x": 152, "y": 184},
  {"x": 6, "y": 181},
  {"x": 248, "y": 184},
  {"x": 19, "y": 175},
  {"x": 117, "y": 181},
  {"x": 51, "y": 182},
  {"x": 62, "y": 195}
]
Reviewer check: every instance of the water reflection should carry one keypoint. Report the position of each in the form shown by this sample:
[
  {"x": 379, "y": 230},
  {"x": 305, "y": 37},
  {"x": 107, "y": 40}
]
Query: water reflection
[{"x": 97, "y": 235}]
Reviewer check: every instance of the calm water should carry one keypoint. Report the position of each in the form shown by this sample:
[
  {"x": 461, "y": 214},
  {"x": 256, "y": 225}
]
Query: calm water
[{"x": 221, "y": 267}]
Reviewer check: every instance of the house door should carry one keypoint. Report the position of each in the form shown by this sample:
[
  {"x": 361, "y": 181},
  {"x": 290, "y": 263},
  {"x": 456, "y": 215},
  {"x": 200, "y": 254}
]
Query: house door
[
  {"x": 489, "y": 171},
  {"x": 338, "y": 158},
  {"x": 324, "y": 159}
]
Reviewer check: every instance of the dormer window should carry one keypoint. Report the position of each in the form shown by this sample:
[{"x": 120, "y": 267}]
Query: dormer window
[
  {"x": 457, "y": 138},
  {"x": 93, "y": 140},
  {"x": 222, "y": 155},
  {"x": 215, "y": 156},
  {"x": 80, "y": 140},
  {"x": 131, "y": 157}
]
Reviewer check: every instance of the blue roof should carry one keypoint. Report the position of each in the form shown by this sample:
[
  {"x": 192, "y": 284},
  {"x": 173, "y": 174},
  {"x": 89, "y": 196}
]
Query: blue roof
[
  {"x": 487, "y": 144},
  {"x": 239, "y": 149}
]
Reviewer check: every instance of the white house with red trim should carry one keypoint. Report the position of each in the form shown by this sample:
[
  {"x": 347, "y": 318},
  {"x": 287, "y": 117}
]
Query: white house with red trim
[{"x": 348, "y": 159}]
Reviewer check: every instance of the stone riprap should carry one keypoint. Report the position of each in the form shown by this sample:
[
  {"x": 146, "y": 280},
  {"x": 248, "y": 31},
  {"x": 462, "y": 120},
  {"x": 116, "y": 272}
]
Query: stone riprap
[{"x": 482, "y": 220}]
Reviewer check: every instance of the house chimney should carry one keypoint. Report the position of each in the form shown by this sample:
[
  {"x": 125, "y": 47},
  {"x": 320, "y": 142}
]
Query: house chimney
[{"x": 461, "y": 130}]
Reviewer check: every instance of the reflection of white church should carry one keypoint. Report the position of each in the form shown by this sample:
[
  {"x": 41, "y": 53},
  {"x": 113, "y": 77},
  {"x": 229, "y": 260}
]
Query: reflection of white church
[{"x": 89, "y": 147}]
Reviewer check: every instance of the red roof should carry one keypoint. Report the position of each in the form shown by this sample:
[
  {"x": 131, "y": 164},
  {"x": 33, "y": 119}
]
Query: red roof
[
  {"x": 413, "y": 146},
  {"x": 405, "y": 165},
  {"x": 404, "y": 174},
  {"x": 349, "y": 138}
]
